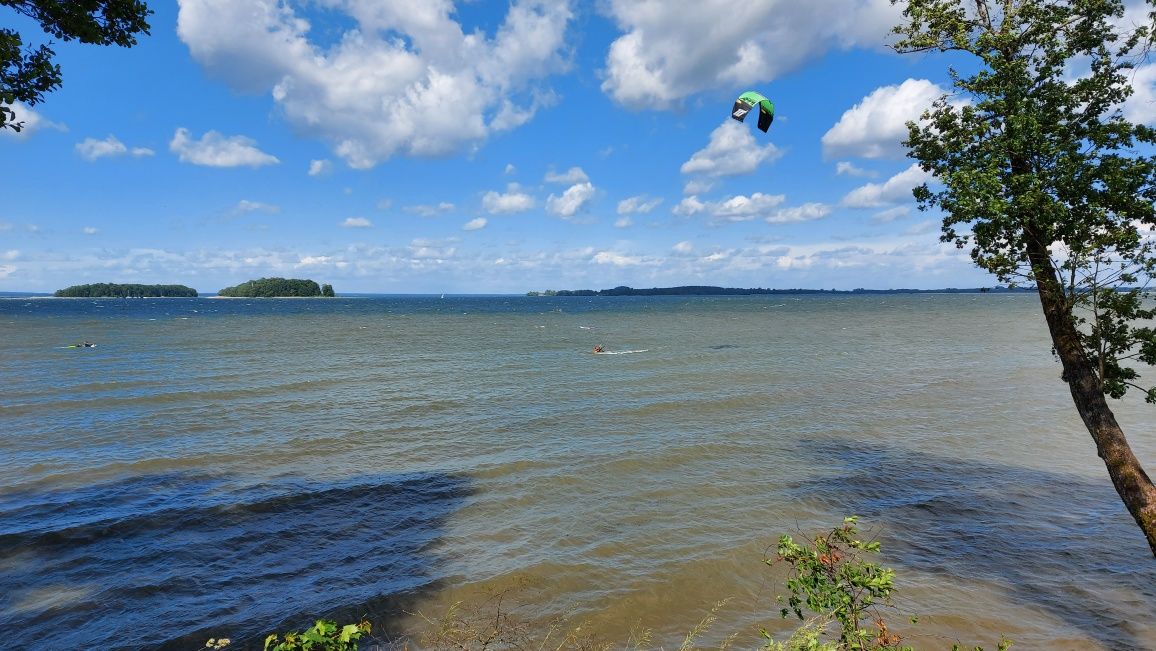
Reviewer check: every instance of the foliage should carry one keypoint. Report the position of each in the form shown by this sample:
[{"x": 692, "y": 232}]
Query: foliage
[
  {"x": 131, "y": 290},
  {"x": 323, "y": 636},
  {"x": 1029, "y": 157},
  {"x": 831, "y": 578},
  {"x": 274, "y": 287},
  {"x": 327, "y": 290},
  {"x": 27, "y": 74}
]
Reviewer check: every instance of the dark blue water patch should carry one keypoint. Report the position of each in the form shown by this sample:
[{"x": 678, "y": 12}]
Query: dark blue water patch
[
  {"x": 1053, "y": 538},
  {"x": 168, "y": 561}
]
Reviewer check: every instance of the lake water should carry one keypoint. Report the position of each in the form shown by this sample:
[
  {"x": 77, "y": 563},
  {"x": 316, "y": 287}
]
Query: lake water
[{"x": 230, "y": 467}]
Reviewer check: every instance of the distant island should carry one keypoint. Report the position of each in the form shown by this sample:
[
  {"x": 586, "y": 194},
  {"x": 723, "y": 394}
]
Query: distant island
[
  {"x": 276, "y": 288},
  {"x": 130, "y": 290},
  {"x": 706, "y": 290}
]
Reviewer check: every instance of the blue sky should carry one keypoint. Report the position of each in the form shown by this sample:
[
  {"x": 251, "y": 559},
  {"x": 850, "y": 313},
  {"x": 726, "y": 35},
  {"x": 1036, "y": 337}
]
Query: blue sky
[{"x": 425, "y": 146}]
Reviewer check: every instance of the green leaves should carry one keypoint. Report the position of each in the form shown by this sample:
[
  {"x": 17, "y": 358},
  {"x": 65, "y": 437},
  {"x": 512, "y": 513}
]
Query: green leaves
[
  {"x": 26, "y": 75},
  {"x": 323, "y": 636},
  {"x": 831, "y": 578},
  {"x": 1039, "y": 157}
]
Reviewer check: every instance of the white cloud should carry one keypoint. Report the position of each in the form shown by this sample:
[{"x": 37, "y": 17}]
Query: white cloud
[
  {"x": 405, "y": 78},
  {"x": 617, "y": 259},
  {"x": 245, "y": 206},
  {"x": 803, "y": 213},
  {"x": 320, "y": 167},
  {"x": 666, "y": 55},
  {"x": 430, "y": 210},
  {"x": 510, "y": 169},
  {"x": 475, "y": 224},
  {"x": 90, "y": 230},
  {"x": 850, "y": 169},
  {"x": 891, "y": 214},
  {"x": 877, "y": 126},
  {"x": 571, "y": 201},
  {"x": 738, "y": 208},
  {"x": 92, "y": 149},
  {"x": 624, "y": 222},
  {"x": 12, "y": 254},
  {"x": 637, "y": 205},
  {"x": 897, "y": 189},
  {"x": 356, "y": 222},
  {"x": 513, "y": 200},
  {"x": 683, "y": 247},
  {"x": 215, "y": 150},
  {"x": 571, "y": 176},
  {"x": 732, "y": 150},
  {"x": 32, "y": 122},
  {"x": 1141, "y": 106}
]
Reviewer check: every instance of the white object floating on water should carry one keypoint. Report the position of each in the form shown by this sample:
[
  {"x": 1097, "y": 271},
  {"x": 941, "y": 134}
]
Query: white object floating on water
[{"x": 621, "y": 352}]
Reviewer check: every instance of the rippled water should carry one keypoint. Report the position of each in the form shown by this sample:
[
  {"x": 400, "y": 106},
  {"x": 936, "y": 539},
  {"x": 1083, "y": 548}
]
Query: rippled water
[{"x": 228, "y": 467}]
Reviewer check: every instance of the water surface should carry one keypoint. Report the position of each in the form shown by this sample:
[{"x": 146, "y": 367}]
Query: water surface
[{"x": 225, "y": 467}]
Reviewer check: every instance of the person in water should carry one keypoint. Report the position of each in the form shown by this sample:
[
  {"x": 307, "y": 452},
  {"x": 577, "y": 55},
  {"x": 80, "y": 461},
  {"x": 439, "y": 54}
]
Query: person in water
[{"x": 598, "y": 348}]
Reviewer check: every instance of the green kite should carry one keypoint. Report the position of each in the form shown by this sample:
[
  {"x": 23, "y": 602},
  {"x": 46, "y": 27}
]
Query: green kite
[{"x": 747, "y": 101}]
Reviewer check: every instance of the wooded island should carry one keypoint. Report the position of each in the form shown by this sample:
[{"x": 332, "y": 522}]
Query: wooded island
[
  {"x": 130, "y": 290},
  {"x": 277, "y": 287}
]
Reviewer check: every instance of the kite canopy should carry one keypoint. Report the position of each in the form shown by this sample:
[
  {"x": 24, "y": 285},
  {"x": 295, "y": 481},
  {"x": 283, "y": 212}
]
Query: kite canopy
[{"x": 747, "y": 101}]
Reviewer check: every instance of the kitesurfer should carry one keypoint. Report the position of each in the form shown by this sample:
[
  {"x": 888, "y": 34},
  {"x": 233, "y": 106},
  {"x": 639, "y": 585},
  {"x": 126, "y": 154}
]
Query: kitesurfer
[{"x": 598, "y": 348}]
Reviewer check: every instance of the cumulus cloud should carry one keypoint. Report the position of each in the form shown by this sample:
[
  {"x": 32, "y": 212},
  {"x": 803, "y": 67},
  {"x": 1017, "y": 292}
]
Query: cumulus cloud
[
  {"x": 511, "y": 201},
  {"x": 475, "y": 224},
  {"x": 92, "y": 149},
  {"x": 570, "y": 177},
  {"x": 683, "y": 247},
  {"x": 571, "y": 201},
  {"x": 617, "y": 259},
  {"x": 320, "y": 167},
  {"x": 877, "y": 126},
  {"x": 665, "y": 55},
  {"x": 430, "y": 210},
  {"x": 405, "y": 78},
  {"x": 804, "y": 213},
  {"x": 216, "y": 150},
  {"x": 356, "y": 222},
  {"x": 639, "y": 204},
  {"x": 897, "y": 189},
  {"x": 510, "y": 169},
  {"x": 738, "y": 208},
  {"x": 31, "y": 120},
  {"x": 850, "y": 169},
  {"x": 890, "y": 215},
  {"x": 1141, "y": 106},
  {"x": 732, "y": 150}
]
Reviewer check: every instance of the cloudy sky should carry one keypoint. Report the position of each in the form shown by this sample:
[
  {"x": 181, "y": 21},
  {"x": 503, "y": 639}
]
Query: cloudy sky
[{"x": 425, "y": 146}]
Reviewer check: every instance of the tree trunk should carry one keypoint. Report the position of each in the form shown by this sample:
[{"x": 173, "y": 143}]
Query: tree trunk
[{"x": 1129, "y": 478}]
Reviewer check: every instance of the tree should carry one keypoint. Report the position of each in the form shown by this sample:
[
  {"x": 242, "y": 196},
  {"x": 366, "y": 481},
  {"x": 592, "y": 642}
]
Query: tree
[
  {"x": 26, "y": 75},
  {"x": 1042, "y": 178}
]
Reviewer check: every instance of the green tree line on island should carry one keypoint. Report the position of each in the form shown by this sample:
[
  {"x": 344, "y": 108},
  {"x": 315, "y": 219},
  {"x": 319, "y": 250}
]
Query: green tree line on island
[
  {"x": 277, "y": 287},
  {"x": 708, "y": 290},
  {"x": 129, "y": 290}
]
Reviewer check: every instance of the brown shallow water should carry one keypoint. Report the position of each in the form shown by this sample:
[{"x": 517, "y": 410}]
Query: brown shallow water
[{"x": 229, "y": 467}]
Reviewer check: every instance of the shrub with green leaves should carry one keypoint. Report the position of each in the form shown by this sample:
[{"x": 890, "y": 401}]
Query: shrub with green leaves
[{"x": 323, "y": 636}]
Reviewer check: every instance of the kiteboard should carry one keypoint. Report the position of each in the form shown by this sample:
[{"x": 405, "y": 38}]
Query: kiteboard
[{"x": 621, "y": 352}]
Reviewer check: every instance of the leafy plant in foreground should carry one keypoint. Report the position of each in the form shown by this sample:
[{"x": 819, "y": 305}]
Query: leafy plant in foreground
[
  {"x": 831, "y": 578},
  {"x": 323, "y": 636}
]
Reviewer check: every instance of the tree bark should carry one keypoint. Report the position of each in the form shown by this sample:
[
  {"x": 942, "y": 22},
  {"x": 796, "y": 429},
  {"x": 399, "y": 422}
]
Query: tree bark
[{"x": 1131, "y": 482}]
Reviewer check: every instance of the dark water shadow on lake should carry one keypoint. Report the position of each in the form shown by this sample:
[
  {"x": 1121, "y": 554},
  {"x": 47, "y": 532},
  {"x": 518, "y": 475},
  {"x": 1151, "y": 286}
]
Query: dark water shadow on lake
[
  {"x": 1056, "y": 541},
  {"x": 168, "y": 561}
]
